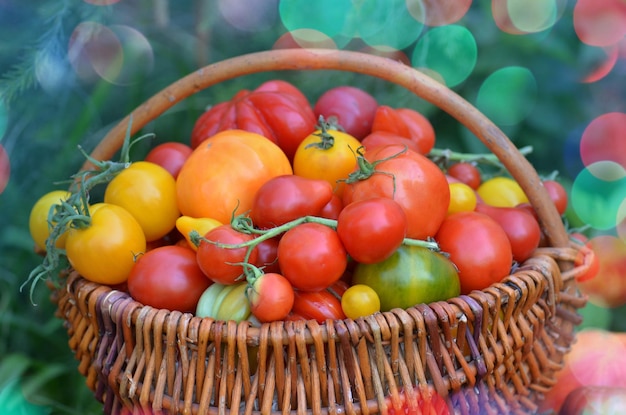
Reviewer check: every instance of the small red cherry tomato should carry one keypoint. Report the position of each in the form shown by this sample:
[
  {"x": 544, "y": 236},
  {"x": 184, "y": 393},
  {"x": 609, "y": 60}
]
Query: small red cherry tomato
[
  {"x": 221, "y": 264},
  {"x": 558, "y": 194},
  {"x": 271, "y": 297},
  {"x": 467, "y": 173},
  {"x": 311, "y": 256},
  {"x": 170, "y": 155},
  {"x": 372, "y": 229}
]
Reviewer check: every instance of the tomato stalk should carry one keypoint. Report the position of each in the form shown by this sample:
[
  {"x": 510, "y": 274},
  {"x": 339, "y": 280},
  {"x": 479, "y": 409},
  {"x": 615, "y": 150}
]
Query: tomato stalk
[
  {"x": 245, "y": 225},
  {"x": 446, "y": 155},
  {"x": 327, "y": 141},
  {"x": 74, "y": 211}
]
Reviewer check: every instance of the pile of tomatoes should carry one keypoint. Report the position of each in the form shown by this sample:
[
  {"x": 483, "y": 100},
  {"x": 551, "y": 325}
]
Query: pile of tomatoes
[{"x": 277, "y": 210}]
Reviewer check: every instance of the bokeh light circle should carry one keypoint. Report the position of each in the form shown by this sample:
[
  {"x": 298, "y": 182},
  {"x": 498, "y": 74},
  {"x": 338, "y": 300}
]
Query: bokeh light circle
[
  {"x": 604, "y": 139},
  {"x": 119, "y": 54},
  {"x": 326, "y": 16},
  {"x": 519, "y": 17},
  {"x": 608, "y": 287},
  {"x": 508, "y": 95},
  {"x": 438, "y": 12},
  {"x": 5, "y": 168},
  {"x": 249, "y": 16},
  {"x": 101, "y": 2},
  {"x": 597, "y": 194},
  {"x": 450, "y": 51},
  {"x": 600, "y": 22},
  {"x": 387, "y": 23},
  {"x": 50, "y": 71},
  {"x": 4, "y": 118},
  {"x": 604, "y": 66},
  {"x": 304, "y": 38}
]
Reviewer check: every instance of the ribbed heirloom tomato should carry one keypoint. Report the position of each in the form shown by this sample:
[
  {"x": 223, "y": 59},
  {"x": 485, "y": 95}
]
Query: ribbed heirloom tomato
[{"x": 222, "y": 175}]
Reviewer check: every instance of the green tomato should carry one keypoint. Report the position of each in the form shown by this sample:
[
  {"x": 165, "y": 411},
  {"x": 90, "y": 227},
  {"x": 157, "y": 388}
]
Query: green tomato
[
  {"x": 224, "y": 302},
  {"x": 412, "y": 275}
]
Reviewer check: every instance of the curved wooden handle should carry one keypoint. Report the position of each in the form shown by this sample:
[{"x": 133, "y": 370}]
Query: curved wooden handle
[{"x": 386, "y": 69}]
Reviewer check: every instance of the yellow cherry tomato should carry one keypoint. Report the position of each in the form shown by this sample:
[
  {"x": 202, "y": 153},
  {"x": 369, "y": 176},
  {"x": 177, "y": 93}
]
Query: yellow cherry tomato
[
  {"x": 502, "y": 191},
  {"x": 148, "y": 192},
  {"x": 359, "y": 300},
  {"x": 38, "y": 220},
  {"x": 462, "y": 198},
  {"x": 186, "y": 224},
  {"x": 104, "y": 251},
  {"x": 328, "y": 155}
]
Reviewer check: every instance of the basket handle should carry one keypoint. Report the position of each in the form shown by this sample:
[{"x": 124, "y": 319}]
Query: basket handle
[{"x": 319, "y": 59}]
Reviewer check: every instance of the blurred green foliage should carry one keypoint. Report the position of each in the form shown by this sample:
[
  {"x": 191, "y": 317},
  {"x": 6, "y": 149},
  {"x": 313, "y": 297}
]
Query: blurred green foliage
[{"x": 48, "y": 111}]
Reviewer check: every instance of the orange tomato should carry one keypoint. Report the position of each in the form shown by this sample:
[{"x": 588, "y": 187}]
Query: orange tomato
[{"x": 222, "y": 175}]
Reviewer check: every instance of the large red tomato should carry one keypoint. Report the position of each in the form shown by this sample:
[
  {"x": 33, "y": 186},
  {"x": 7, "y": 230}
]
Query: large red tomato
[
  {"x": 412, "y": 180},
  {"x": 276, "y": 110},
  {"x": 222, "y": 175},
  {"x": 351, "y": 108},
  {"x": 408, "y": 123},
  {"x": 478, "y": 246}
]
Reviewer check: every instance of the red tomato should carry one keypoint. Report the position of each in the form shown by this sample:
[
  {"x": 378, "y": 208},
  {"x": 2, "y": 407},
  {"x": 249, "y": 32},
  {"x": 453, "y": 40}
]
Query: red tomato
[
  {"x": 267, "y": 255},
  {"x": 5, "y": 168},
  {"x": 271, "y": 297},
  {"x": 414, "y": 402},
  {"x": 351, "y": 108},
  {"x": 171, "y": 156},
  {"x": 372, "y": 229},
  {"x": 520, "y": 227},
  {"x": 558, "y": 194},
  {"x": 594, "y": 265},
  {"x": 317, "y": 305},
  {"x": 407, "y": 123},
  {"x": 276, "y": 110},
  {"x": 220, "y": 264},
  {"x": 168, "y": 277},
  {"x": 332, "y": 209},
  {"x": 384, "y": 138},
  {"x": 311, "y": 256},
  {"x": 412, "y": 180},
  {"x": 478, "y": 246},
  {"x": 467, "y": 173},
  {"x": 288, "y": 197}
]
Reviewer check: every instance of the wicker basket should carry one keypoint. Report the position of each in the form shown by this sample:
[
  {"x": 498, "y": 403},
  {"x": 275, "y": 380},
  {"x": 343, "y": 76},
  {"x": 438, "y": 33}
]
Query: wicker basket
[{"x": 492, "y": 351}]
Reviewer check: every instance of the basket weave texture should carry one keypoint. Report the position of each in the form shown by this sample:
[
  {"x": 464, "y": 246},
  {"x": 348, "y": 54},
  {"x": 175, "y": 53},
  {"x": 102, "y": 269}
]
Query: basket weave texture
[{"x": 493, "y": 351}]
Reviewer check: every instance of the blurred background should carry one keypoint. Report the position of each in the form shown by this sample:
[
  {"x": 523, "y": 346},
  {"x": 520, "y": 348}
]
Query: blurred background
[{"x": 550, "y": 73}]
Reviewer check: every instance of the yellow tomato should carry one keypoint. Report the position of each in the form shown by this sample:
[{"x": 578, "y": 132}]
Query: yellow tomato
[
  {"x": 328, "y": 155},
  {"x": 104, "y": 251},
  {"x": 502, "y": 191},
  {"x": 462, "y": 198},
  {"x": 148, "y": 192},
  {"x": 186, "y": 224},
  {"x": 38, "y": 220},
  {"x": 359, "y": 300}
]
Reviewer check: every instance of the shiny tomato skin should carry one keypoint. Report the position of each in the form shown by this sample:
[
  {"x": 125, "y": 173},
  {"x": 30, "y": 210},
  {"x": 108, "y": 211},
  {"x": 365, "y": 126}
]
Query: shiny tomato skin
[
  {"x": 359, "y": 301},
  {"x": 558, "y": 194},
  {"x": 384, "y": 138},
  {"x": 271, "y": 297},
  {"x": 501, "y": 191},
  {"x": 170, "y": 155},
  {"x": 327, "y": 156},
  {"x": 412, "y": 275},
  {"x": 351, "y": 108},
  {"x": 412, "y": 180},
  {"x": 520, "y": 226},
  {"x": 148, "y": 192},
  {"x": 285, "y": 198},
  {"x": 104, "y": 252},
  {"x": 168, "y": 277},
  {"x": 223, "y": 265},
  {"x": 467, "y": 173},
  {"x": 276, "y": 110},
  {"x": 38, "y": 225},
  {"x": 372, "y": 229},
  {"x": 408, "y": 123},
  {"x": 221, "y": 176},
  {"x": 311, "y": 256},
  {"x": 317, "y": 305},
  {"x": 267, "y": 255},
  {"x": 332, "y": 209},
  {"x": 478, "y": 246}
]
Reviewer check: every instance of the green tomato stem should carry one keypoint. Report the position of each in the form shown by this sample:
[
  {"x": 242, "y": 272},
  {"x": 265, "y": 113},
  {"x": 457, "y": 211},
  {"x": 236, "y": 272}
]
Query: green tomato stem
[{"x": 491, "y": 159}]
